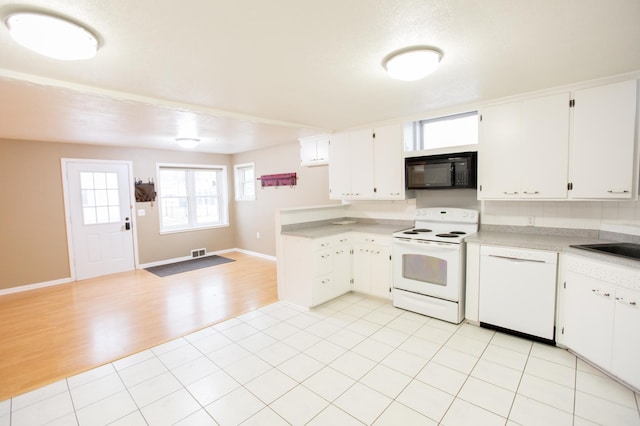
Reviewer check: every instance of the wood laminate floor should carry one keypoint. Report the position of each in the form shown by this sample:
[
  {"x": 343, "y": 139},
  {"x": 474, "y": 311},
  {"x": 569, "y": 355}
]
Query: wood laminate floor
[{"x": 52, "y": 333}]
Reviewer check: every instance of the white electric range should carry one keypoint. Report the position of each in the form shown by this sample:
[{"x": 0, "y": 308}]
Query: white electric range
[{"x": 429, "y": 262}]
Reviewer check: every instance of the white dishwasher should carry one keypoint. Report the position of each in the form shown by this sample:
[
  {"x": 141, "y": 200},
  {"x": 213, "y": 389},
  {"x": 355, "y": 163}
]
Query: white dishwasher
[{"x": 518, "y": 290}]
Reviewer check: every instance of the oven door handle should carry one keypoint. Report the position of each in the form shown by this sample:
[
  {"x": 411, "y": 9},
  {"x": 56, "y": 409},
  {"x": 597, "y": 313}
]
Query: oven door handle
[{"x": 434, "y": 245}]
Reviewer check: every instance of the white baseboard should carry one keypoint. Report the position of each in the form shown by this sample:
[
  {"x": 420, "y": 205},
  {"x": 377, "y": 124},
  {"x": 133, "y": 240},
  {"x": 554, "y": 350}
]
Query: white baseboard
[
  {"x": 256, "y": 254},
  {"x": 36, "y": 286}
]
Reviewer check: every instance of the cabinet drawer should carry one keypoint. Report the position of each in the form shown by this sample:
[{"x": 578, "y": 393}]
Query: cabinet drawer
[
  {"x": 327, "y": 242},
  {"x": 323, "y": 289},
  {"x": 372, "y": 239},
  {"x": 323, "y": 262}
]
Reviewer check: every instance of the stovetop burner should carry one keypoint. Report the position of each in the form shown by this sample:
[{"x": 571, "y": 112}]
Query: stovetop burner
[{"x": 442, "y": 225}]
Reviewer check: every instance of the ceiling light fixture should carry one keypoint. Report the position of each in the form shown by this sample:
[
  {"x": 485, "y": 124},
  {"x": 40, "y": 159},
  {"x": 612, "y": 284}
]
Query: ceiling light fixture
[
  {"x": 188, "y": 143},
  {"x": 51, "y": 36},
  {"x": 412, "y": 63}
]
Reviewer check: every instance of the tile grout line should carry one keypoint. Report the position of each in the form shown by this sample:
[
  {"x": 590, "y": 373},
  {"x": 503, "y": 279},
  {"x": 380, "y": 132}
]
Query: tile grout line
[{"x": 515, "y": 393}]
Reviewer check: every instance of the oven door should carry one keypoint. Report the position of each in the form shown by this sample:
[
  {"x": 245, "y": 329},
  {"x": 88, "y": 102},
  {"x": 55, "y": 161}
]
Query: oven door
[{"x": 427, "y": 267}]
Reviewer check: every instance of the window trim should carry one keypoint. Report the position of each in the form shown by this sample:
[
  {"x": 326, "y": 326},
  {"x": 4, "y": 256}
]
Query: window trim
[
  {"x": 238, "y": 193},
  {"x": 224, "y": 195}
]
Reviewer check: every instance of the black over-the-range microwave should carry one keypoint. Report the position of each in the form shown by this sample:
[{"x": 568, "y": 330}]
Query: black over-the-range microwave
[{"x": 445, "y": 171}]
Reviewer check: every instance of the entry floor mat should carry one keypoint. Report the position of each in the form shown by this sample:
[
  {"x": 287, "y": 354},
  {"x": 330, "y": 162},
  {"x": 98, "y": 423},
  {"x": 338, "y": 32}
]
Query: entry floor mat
[{"x": 188, "y": 265}]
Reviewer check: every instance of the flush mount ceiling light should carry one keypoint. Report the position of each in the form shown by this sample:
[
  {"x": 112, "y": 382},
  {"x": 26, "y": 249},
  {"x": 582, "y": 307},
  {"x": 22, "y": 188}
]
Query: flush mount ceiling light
[
  {"x": 188, "y": 143},
  {"x": 52, "y": 36},
  {"x": 412, "y": 63}
]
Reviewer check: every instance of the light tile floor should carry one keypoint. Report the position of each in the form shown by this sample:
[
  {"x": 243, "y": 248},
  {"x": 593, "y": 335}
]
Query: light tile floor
[{"x": 352, "y": 361}]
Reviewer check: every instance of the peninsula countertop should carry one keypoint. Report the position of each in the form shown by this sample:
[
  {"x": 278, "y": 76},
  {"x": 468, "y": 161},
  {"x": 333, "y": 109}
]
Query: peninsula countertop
[{"x": 340, "y": 226}]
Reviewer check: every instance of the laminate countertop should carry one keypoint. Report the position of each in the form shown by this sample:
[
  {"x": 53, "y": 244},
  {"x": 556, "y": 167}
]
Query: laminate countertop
[
  {"x": 556, "y": 242},
  {"x": 329, "y": 228}
]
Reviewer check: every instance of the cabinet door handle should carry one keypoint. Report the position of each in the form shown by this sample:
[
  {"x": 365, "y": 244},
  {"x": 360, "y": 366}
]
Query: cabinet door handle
[
  {"x": 611, "y": 191},
  {"x": 630, "y": 303},
  {"x": 532, "y": 193},
  {"x": 510, "y": 193},
  {"x": 596, "y": 291}
]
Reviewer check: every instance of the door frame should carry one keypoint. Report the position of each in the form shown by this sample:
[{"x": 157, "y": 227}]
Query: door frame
[{"x": 67, "y": 211}]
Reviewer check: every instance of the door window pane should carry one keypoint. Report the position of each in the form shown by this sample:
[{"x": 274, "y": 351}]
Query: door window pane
[{"x": 100, "y": 205}]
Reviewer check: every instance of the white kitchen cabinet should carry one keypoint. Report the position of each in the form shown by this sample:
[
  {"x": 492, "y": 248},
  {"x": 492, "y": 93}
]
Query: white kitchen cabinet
[
  {"x": 603, "y": 141},
  {"x": 524, "y": 149},
  {"x": 626, "y": 338},
  {"x": 389, "y": 163},
  {"x": 372, "y": 265},
  {"x": 314, "y": 150},
  {"x": 342, "y": 267},
  {"x": 589, "y": 318},
  {"x": 314, "y": 269},
  {"x": 601, "y": 315},
  {"x": 340, "y": 166},
  {"x": 367, "y": 164},
  {"x": 351, "y": 166}
]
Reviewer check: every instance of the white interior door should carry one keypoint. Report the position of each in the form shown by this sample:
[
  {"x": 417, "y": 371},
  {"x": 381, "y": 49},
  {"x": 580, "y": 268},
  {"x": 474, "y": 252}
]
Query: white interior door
[{"x": 99, "y": 209}]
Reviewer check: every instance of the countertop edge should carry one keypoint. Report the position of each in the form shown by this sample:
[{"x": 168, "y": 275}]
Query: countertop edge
[{"x": 557, "y": 243}]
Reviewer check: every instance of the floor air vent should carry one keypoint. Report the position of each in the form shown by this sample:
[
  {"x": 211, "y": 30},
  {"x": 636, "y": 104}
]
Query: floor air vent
[{"x": 198, "y": 252}]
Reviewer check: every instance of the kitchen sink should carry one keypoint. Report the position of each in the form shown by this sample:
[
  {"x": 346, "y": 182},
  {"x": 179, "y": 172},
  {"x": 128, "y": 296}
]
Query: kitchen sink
[{"x": 628, "y": 250}]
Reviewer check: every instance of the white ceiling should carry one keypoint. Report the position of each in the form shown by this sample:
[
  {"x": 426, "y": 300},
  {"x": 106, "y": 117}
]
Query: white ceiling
[{"x": 246, "y": 74}]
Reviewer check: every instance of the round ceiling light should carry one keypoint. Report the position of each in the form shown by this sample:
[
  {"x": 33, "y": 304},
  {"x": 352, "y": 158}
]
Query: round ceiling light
[
  {"x": 52, "y": 36},
  {"x": 412, "y": 63},
  {"x": 188, "y": 143}
]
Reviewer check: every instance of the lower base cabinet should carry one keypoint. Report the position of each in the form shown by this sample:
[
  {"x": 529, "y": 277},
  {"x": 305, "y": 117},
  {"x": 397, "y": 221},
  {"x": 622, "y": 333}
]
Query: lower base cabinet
[
  {"x": 602, "y": 316},
  {"x": 318, "y": 270},
  {"x": 372, "y": 266}
]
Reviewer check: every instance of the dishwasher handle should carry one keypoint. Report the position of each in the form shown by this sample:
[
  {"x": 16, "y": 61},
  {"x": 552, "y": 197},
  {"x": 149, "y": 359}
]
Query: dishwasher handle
[{"x": 516, "y": 259}]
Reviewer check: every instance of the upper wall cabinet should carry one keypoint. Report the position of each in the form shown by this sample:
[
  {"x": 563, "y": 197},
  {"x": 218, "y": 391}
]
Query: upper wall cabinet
[
  {"x": 603, "y": 141},
  {"x": 314, "y": 150},
  {"x": 555, "y": 147},
  {"x": 388, "y": 153},
  {"x": 367, "y": 164},
  {"x": 524, "y": 149},
  {"x": 351, "y": 166}
]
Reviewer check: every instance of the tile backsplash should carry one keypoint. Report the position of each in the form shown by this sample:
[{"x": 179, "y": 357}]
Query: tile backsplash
[{"x": 560, "y": 214}]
